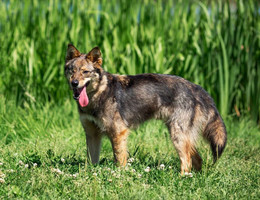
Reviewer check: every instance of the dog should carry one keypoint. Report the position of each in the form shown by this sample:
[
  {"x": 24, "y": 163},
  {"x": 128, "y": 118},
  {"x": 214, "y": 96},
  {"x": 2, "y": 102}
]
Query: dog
[{"x": 111, "y": 104}]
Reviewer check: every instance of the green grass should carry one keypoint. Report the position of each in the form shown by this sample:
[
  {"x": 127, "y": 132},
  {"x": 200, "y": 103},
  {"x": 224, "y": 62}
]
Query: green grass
[{"x": 46, "y": 134}]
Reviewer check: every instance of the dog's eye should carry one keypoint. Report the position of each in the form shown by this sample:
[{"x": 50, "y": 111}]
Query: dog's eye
[{"x": 85, "y": 72}]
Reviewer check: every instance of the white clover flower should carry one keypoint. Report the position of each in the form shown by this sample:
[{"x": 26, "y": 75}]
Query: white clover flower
[
  {"x": 94, "y": 174},
  {"x": 1, "y": 163},
  {"x": 20, "y": 162},
  {"x": 147, "y": 169},
  {"x": 10, "y": 170},
  {"x": 162, "y": 166},
  {"x": 112, "y": 172},
  {"x": 2, "y": 180},
  {"x": 170, "y": 167},
  {"x": 75, "y": 175},
  {"x": 130, "y": 160},
  {"x": 139, "y": 175},
  {"x": 110, "y": 180},
  {"x": 129, "y": 164},
  {"x": 133, "y": 170},
  {"x": 108, "y": 169},
  {"x": 188, "y": 174},
  {"x": 2, "y": 175},
  {"x": 58, "y": 171},
  {"x": 26, "y": 165},
  {"x": 62, "y": 160},
  {"x": 146, "y": 185},
  {"x": 34, "y": 164}
]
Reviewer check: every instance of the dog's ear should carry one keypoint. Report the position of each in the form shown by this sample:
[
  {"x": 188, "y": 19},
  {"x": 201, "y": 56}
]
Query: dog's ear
[
  {"x": 95, "y": 56},
  {"x": 72, "y": 52}
]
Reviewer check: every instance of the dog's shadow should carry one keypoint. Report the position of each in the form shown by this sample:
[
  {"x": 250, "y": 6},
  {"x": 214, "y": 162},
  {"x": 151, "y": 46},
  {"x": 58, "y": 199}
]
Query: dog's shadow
[{"x": 74, "y": 163}]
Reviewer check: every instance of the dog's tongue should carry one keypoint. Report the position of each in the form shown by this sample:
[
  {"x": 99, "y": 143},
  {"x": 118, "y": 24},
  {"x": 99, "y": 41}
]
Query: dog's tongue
[{"x": 83, "y": 98}]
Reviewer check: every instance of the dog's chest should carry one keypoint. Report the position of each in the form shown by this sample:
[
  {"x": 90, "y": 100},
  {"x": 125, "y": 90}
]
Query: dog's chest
[{"x": 93, "y": 119}]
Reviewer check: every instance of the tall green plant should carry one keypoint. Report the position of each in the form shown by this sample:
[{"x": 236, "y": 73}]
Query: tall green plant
[{"x": 213, "y": 44}]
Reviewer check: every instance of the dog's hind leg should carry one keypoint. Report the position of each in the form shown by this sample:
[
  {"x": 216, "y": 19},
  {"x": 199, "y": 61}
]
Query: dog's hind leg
[
  {"x": 185, "y": 146},
  {"x": 196, "y": 160}
]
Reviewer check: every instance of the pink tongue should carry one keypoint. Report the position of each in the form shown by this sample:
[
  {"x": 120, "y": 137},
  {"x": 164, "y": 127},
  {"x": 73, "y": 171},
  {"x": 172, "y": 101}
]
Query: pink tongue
[{"x": 83, "y": 98}]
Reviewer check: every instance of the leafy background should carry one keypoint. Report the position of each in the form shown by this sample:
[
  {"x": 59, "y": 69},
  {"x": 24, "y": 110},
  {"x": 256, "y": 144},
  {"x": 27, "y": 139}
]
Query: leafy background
[{"x": 212, "y": 43}]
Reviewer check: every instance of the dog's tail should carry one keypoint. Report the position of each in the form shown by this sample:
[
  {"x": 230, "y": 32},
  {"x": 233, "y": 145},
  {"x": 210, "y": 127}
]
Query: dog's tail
[{"x": 215, "y": 132}]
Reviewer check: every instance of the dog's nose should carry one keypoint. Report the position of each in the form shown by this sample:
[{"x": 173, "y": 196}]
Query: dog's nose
[{"x": 75, "y": 83}]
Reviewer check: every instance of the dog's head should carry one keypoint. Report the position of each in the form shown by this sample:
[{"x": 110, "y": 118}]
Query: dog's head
[{"x": 83, "y": 72}]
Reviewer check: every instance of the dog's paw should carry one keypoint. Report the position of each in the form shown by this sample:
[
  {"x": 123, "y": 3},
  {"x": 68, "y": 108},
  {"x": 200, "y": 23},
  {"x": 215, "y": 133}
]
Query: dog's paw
[{"x": 188, "y": 174}]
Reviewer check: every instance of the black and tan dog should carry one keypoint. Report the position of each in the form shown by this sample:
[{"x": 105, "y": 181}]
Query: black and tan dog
[{"x": 111, "y": 104}]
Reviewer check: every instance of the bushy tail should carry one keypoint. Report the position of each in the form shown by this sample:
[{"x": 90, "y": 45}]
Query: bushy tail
[{"x": 215, "y": 133}]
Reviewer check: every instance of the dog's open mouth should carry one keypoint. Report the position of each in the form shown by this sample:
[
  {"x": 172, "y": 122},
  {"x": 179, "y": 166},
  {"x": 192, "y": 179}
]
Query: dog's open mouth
[{"x": 80, "y": 94}]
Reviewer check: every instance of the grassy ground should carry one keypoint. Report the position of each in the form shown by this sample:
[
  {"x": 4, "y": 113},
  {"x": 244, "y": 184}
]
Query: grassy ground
[{"x": 52, "y": 138}]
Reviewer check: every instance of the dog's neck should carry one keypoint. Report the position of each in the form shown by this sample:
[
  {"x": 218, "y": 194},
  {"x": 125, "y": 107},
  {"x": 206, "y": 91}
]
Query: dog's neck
[{"x": 102, "y": 86}]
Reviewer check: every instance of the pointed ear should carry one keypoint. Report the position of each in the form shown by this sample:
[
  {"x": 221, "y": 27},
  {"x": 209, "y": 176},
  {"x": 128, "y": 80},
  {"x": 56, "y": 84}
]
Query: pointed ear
[
  {"x": 72, "y": 52},
  {"x": 95, "y": 56}
]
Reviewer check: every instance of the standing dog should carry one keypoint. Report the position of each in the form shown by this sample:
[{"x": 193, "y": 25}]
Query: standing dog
[{"x": 111, "y": 104}]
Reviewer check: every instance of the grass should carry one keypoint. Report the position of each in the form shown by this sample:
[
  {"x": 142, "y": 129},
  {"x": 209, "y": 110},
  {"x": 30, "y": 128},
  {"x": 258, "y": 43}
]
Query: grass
[{"x": 47, "y": 134}]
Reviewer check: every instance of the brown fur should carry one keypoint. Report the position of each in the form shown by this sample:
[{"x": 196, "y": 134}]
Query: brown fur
[
  {"x": 119, "y": 143},
  {"x": 123, "y": 79}
]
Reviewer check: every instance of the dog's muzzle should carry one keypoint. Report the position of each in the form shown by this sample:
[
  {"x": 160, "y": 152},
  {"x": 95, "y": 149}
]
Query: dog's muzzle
[{"x": 77, "y": 91}]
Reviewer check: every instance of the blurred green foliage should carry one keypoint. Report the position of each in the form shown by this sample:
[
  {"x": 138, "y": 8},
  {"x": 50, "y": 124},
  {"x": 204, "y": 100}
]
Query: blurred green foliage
[{"x": 213, "y": 44}]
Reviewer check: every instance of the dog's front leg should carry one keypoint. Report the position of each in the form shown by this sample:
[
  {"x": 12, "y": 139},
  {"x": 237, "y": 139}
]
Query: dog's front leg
[
  {"x": 93, "y": 140},
  {"x": 119, "y": 144},
  {"x": 93, "y": 147}
]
